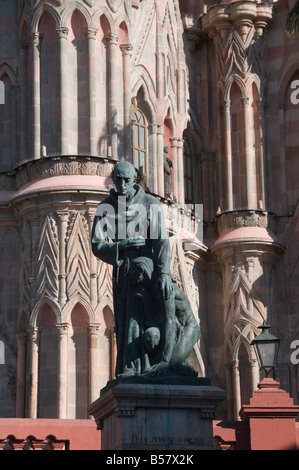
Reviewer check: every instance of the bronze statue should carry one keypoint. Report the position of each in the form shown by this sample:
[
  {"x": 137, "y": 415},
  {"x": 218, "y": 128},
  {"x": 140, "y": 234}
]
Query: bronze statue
[{"x": 154, "y": 324}]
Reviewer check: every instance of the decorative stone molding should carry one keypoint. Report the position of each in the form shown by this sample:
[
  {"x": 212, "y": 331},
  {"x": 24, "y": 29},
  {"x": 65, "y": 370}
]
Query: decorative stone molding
[
  {"x": 63, "y": 329},
  {"x": 90, "y": 3},
  {"x": 62, "y": 165},
  {"x": 114, "y": 5},
  {"x": 46, "y": 283},
  {"x": 63, "y": 32},
  {"x": 245, "y": 218},
  {"x": 208, "y": 414},
  {"x": 33, "y": 4},
  {"x": 126, "y": 412}
]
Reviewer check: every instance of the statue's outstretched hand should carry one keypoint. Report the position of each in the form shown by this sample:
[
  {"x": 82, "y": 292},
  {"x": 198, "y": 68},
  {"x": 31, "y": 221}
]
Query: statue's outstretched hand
[{"x": 131, "y": 243}]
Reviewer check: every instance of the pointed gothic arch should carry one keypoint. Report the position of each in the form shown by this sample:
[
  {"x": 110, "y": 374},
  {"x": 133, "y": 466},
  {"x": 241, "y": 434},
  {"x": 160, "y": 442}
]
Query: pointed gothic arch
[
  {"x": 104, "y": 21},
  {"x": 237, "y": 81},
  {"x": 144, "y": 87},
  {"x": 69, "y": 307},
  {"x": 38, "y": 309},
  {"x": 123, "y": 31},
  {"x": 24, "y": 29},
  {"x": 69, "y": 11},
  {"x": 43, "y": 8},
  {"x": 6, "y": 69}
]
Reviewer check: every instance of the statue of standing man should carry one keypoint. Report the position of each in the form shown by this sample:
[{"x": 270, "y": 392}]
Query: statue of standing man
[{"x": 154, "y": 325}]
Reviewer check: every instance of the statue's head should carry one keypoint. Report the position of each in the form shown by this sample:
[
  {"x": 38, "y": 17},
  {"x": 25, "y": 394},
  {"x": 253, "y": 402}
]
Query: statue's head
[
  {"x": 152, "y": 338},
  {"x": 124, "y": 176},
  {"x": 141, "y": 269}
]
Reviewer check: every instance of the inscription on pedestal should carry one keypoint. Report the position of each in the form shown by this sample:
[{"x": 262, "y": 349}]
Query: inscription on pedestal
[{"x": 165, "y": 440}]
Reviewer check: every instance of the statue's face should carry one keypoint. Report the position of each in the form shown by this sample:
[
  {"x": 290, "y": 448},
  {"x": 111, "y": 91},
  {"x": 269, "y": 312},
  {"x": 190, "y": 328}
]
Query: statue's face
[
  {"x": 152, "y": 338},
  {"x": 124, "y": 180},
  {"x": 137, "y": 272}
]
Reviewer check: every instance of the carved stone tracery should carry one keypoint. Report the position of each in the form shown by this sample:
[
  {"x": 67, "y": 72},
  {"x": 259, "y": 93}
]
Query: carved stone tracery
[{"x": 237, "y": 32}]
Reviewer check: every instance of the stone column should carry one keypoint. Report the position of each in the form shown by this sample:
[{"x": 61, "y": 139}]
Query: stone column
[
  {"x": 93, "y": 266},
  {"x": 207, "y": 178},
  {"x": 21, "y": 368},
  {"x": 180, "y": 166},
  {"x": 113, "y": 93},
  {"x": 228, "y": 177},
  {"x": 220, "y": 157},
  {"x": 36, "y": 137},
  {"x": 160, "y": 75},
  {"x": 261, "y": 156},
  {"x": 229, "y": 398},
  {"x": 249, "y": 156},
  {"x": 126, "y": 55},
  {"x": 181, "y": 99},
  {"x": 173, "y": 144},
  {"x": 255, "y": 374},
  {"x": 63, "y": 218},
  {"x": 91, "y": 36},
  {"x": 160, "y": 159},
  {"x": 33, "y": 392},
  {"x": 236, "y": 388},
  {"x": 62, "y": 370},
  {"x": 93, "y": 361},
  {"x": 35, "y": 238},
  {"x": 23, "y": 48},
  {"x": 63, "y": 34},
  {"x": 152, "y": 129}
]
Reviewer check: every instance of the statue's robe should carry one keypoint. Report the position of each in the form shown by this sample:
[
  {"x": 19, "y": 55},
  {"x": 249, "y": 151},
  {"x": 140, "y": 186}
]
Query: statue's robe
[{"x": 116, "y": 219}]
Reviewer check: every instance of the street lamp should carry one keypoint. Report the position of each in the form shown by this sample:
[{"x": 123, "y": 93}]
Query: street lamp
[{"x": 266, "y": 349}]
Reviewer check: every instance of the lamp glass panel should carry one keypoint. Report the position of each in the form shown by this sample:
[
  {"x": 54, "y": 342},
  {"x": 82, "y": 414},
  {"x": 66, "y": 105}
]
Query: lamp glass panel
[{"x": 267, "y": 354}]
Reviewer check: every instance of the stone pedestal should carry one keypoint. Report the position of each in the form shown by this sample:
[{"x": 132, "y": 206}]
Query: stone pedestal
[
  {"x": 157, "y": 416},
  {"x": 271, "y": 414}
]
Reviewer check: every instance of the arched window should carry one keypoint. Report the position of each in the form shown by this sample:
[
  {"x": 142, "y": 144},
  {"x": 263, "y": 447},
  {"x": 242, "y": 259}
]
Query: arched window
[{"x": 139, "y": 139}]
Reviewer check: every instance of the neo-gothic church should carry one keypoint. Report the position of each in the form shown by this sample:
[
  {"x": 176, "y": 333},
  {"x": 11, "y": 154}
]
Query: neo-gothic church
[{"x": 201, "y": 98}]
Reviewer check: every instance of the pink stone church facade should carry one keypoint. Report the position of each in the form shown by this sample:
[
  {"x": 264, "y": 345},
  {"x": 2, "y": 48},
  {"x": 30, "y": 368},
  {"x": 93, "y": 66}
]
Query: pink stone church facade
[{"x": 85, "y": 83}]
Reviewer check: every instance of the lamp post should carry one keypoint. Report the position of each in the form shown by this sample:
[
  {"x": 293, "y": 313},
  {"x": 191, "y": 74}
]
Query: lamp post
[{"x": 266, "y": 349}]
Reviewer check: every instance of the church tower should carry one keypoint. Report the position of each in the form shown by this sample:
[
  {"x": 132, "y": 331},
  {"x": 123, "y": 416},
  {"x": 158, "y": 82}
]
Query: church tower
[{"x": 88, "y": 83}]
